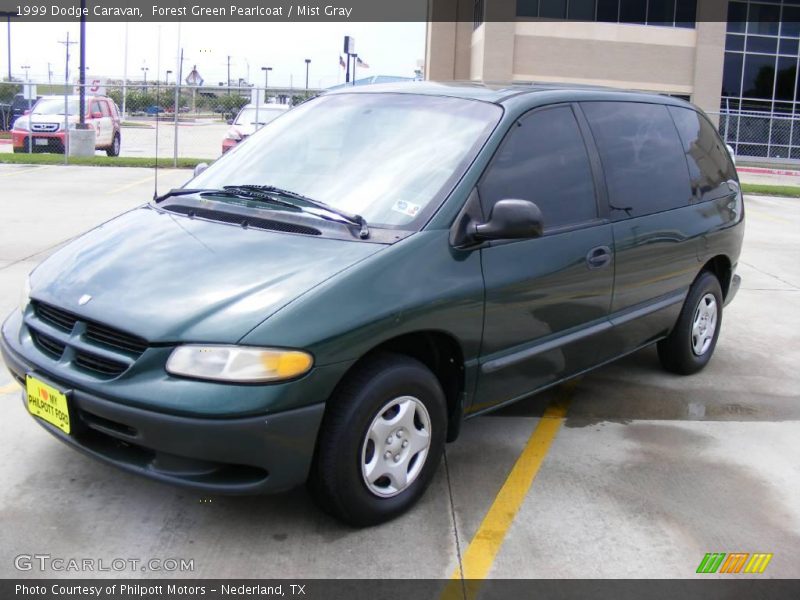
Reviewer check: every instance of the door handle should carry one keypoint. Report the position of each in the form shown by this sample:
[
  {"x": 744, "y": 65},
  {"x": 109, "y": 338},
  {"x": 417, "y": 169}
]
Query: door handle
[{"x": 598, "y": 257}]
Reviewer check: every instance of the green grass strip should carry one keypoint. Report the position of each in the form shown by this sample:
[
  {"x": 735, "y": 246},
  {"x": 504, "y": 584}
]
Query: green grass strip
[
  {"x": 791, "y": 191},
  {"x": 99, "y": 161}
]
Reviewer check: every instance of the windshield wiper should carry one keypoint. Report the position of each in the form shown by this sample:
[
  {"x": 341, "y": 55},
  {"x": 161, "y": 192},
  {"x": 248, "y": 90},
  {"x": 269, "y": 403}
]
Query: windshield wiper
[
  {"x": 269, "y": 193},
  {"x": 230, "y": 190},
  {"x": 271, "y": 190}
]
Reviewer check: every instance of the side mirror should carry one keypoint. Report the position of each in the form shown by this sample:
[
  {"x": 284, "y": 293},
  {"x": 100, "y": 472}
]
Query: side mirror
[
  {"x": 199, "y": 169},
  {"x": 511, "y": 220},
  {"x": 27, "y": 111},
  {"x": 96, "y": 115}
]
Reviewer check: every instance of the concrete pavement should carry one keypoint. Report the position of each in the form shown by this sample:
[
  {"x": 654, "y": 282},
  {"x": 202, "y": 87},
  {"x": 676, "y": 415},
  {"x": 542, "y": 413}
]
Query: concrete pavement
[{"x": 647, "y": 472}]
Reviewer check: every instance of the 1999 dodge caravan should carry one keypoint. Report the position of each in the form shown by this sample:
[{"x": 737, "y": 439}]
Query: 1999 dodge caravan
[{"x": 328, "y": 301}]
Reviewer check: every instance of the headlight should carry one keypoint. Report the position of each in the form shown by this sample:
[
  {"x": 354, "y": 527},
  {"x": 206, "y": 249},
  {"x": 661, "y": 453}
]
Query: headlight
[
  {"x": 25, "y": 297},
  {"x": 233, "y": 135},
  {"x": 22, "y": 124},
  {"x": 238, "y": 363}
]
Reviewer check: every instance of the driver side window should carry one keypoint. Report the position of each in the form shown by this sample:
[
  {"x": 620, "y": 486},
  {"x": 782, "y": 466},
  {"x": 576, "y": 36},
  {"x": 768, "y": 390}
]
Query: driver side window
[{"x": 543, "y": 159}]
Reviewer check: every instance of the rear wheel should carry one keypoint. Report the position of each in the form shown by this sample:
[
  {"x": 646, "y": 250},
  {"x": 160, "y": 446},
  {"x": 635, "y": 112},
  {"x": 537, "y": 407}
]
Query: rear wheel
[
  {"x": 690, "y": 345},
  {"x": 380, "y": 442},
  {"x": 113, "y": 150}
]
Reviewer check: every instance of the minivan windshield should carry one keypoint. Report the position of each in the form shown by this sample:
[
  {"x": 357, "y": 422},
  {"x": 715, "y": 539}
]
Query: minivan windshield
[{"x": 390, "y": 158}]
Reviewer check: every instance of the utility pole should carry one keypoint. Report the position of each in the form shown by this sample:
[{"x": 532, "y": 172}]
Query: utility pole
[
  {"x": 166, "y": 77},
  {"x": 229, "y": 75},
  {"x": 82, "y": 71},
  {"x": 355, "y": 61},
  {"x": 25, "y": 68},
  {"x": 308, "y": 62},
  {"x": 49, "y": 73},
  {"x": 8, "y": 16},
  {"x": 67, "y": 44}
]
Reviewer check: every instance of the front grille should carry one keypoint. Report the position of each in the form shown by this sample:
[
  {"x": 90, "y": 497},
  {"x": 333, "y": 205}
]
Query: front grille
[
  {"x": 55, "y": 316},
  {"x": 48, "y": 345},
  {"x": 107, "y": 340},
  {"x": 115, "y": 338},
  {"x": 48, "y": 127},
  {"x": 98, "y": 364},
  {"x": 242, "y": 220}
]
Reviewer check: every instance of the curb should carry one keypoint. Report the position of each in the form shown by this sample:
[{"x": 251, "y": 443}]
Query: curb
[{"x": 766, "y": 171}]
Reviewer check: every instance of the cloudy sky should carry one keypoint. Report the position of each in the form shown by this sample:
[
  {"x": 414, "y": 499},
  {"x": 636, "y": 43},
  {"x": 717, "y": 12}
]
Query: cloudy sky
[{"x": 389, "y": 49}]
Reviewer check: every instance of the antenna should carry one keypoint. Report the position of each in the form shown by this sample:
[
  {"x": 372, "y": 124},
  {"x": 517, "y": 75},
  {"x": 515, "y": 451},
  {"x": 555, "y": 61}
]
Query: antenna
[{"x": 158, "y": 109}]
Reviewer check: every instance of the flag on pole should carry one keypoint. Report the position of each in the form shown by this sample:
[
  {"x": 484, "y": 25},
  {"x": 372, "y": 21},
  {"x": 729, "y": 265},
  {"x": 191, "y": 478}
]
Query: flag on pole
[
  {"x": 361, "y": 64},
  {"x": 341, "y": 62}
]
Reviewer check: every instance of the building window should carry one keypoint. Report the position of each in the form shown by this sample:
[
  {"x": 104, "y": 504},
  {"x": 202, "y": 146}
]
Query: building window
[
  {"x": 661, "y": 13},
  {"x": 477, "y": 13},
  {"x": 760, "y": 93}
]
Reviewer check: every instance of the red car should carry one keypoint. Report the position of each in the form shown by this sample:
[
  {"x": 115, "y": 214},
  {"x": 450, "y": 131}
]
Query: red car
[{"x": 43, "y": 128}]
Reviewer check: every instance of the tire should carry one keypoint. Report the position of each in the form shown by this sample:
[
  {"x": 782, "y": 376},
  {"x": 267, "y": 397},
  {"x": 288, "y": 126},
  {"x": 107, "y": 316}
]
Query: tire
[
  {"x": 386, "y": 396},
  {"x": 113, "y": 150},
  {"x": 690, "y": 345}
]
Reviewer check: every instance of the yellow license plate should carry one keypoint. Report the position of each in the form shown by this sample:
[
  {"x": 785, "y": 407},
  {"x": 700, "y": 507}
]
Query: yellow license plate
[{"x": 47, "y": 403}]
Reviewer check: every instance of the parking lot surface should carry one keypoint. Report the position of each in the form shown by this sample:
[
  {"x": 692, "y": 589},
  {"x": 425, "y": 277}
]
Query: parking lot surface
[
  {"x": 626, "y": 472},
  {"x": 202, "y": 139}
]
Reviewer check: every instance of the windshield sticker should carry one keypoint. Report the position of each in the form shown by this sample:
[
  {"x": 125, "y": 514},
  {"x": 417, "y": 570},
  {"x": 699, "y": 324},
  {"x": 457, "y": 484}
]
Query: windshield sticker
[{"x": 407, "y": 208}]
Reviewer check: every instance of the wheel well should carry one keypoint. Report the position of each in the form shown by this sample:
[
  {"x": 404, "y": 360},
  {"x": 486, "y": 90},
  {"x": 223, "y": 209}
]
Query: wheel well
[
  {"x": 441, "y": 353},
  {"x": 720, "y": 266}
]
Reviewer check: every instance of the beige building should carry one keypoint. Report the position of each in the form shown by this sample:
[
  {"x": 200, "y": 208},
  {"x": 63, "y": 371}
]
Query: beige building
[{"x": 502, "y": 45}]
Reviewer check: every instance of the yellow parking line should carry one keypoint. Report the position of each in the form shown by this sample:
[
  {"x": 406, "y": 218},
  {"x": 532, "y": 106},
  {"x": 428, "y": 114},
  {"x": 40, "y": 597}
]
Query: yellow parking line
[
  {"x": 482, "y": 550},
  {"x": 23, "y": 171},
  {"x": 127, "y": 186},
  {"x": 8, "y": 388}
]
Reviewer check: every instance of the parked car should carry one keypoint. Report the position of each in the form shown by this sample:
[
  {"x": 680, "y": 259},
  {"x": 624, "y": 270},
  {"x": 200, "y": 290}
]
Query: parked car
[
  {"x": 249, "y": 119},
  {"x": 154, "y": 110},
  {"x": 374, "y": 267},
  {"x": 43, "y": 129},
  {"x": 20, "y": 105}
]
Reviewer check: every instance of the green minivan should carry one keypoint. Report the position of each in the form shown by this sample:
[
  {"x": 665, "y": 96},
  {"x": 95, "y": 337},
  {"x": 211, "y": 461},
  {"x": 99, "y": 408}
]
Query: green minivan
[{"x": 327, "y": 302}]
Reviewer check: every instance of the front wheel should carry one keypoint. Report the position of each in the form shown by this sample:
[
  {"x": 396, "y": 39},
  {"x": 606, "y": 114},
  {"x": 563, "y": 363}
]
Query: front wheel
[
  {"x": 380, "y": 442},
  {"x": 113, "y": 150},
  {"x": 690, "y": 345}
]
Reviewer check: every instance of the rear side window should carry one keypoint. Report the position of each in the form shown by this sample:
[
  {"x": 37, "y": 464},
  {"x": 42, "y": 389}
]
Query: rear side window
[
  {"x": 642, "y": 157},
  {"x": 544, "y": 159},
  {"x": 104, "y": 107},
  {"x": 710, "y": 165}
]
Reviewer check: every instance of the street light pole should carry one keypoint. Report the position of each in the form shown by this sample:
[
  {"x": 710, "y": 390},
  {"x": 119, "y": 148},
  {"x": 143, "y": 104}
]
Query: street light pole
[
  {"x": 145, "y": 70},
  {"x": 308, "y": 62},
  {"x": 266, "y": 81},
  {"x": 166, "y": 77}
]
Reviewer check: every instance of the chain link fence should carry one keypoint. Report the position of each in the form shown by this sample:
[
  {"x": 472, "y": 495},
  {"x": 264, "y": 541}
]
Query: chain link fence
[
  {"x": 761, "y": 136},
  {"x": 178, "y": 124}
]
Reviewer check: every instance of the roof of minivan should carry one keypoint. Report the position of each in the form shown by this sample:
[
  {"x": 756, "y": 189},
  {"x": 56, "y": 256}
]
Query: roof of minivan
[{"x": 500, "y": 93}]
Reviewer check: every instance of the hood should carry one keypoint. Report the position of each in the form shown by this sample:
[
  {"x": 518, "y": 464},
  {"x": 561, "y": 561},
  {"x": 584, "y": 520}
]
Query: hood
[{"x": 169, "y": 278}]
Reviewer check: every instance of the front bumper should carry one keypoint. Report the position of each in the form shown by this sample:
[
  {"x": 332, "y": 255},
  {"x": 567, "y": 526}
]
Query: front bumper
[
  {"x": 227, "y": 144},
  {"x": 245, "y": 455},
  {"x": 25, "y": 141}
]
